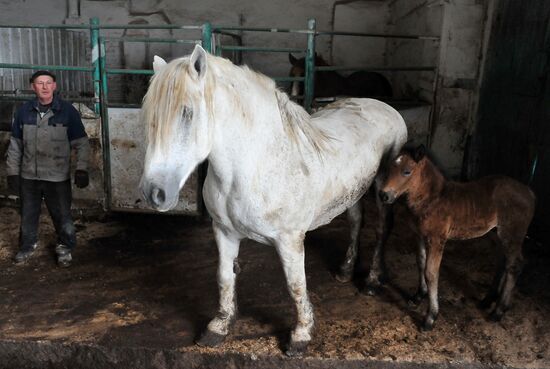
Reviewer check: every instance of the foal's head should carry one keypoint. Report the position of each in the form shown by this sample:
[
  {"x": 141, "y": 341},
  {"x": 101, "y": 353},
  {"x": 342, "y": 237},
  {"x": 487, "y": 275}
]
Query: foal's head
[{"x": 402, "y": 173}]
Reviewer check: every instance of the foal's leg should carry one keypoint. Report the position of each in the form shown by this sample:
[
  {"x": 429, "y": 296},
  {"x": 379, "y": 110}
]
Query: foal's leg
[
  {"x": 228, "y": 249},
  {"x": 514, "y": 262},
  {"x": 422, "y": 290},
  {"x": 355, "y": 217},
  {"x": 291, "y": 252},
  {"x": 434, "y": 255},
  {"x": 383, "y": 228}
]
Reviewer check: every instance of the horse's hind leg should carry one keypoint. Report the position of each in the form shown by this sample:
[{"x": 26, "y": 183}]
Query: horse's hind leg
[
  {"x": 291, "y": 252},
  {"x": 355, "y": 217},
  {"x": 383, "y": 228},
  {"x": 228, "y": 249}
]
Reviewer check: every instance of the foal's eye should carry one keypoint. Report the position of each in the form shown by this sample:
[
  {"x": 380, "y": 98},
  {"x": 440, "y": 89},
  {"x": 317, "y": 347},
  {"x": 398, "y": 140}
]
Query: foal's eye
[
  {"x": 406, "y": 172},
  {"x": 187, "y": 114}
]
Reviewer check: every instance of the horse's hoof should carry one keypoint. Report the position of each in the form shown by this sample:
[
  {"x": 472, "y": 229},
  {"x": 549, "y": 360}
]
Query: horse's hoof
[
  {"x": 427, "y": 326},
  {"x": 210, "y": 339},
  {"x": 343, "y": 277},
  {"x": 296, "y": 348},
  {"x": 485, "y": 303}
]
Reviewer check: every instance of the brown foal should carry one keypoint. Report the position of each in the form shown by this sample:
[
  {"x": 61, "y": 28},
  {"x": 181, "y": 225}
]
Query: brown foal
[{"x": 446, "y": 210}]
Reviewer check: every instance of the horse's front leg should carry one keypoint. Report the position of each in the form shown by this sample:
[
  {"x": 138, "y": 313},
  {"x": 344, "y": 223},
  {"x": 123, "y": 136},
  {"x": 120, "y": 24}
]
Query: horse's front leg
[
  {"x": 383, "y": 228},
  {"x": 291, "y": 252},
  {"x": 355, "y": 218},
  {"x": 433, "y": 262},
  {"x": 228, "y": 249}
]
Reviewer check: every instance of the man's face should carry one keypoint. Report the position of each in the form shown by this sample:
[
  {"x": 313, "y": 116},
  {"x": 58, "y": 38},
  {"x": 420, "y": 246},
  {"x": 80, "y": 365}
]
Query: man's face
[{"x": 44, "y": 86}]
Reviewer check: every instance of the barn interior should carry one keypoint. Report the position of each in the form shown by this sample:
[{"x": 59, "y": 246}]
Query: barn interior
[{"x": 469, "y": 78}]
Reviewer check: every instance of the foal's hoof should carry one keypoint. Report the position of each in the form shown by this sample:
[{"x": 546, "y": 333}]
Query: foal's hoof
[
  {"x": 296, "y": 348},
  {"x": 495, "y": 316},
  {"x": 371, "y": 290},
  {"x": 210, "y": 339}
]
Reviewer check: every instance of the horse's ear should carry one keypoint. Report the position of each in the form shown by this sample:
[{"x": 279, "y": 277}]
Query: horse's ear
[
  {"x": 419, "y": 153},
  {"x": 158, "y": 63},
  {"x": 198, "y": 62},
  {"x": 292, "y": 59}
]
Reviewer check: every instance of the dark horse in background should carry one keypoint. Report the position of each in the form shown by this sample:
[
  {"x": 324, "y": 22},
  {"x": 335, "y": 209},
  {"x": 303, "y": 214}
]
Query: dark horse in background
[{"x": 331, "y": 83}]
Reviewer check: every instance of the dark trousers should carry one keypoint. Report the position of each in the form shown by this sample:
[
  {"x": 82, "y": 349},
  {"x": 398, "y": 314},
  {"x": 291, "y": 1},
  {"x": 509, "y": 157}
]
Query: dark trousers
[{"x": 57, "y": 196}]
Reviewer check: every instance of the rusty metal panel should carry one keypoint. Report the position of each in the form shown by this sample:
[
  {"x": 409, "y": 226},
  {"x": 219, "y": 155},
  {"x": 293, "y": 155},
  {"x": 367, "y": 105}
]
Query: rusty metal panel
[{"x": 127, "y": 155}]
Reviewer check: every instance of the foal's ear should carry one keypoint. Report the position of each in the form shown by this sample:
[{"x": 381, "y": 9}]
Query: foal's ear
[
  {"x": 158, "y": 63},
  {"x": 419, "y": 153},
  {"x": 197, "y": 64}
]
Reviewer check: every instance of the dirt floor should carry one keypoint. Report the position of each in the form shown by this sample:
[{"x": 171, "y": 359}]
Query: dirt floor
[{"x": 149, "y": 282}]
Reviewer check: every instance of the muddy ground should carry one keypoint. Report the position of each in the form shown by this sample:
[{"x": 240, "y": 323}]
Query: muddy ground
[{"x": 149, "y": 282}]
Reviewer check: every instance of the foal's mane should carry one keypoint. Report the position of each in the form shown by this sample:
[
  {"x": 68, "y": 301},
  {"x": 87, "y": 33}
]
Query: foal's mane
[{"x": 168, "y": 89}]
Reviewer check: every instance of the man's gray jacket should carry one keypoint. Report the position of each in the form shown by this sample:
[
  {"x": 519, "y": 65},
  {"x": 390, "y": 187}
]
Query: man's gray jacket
[{"x": 40, "y": 147}]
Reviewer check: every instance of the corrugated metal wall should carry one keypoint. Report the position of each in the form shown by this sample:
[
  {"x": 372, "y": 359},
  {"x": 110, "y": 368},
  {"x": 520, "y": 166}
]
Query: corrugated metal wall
[{"x": 44, "y": 47}]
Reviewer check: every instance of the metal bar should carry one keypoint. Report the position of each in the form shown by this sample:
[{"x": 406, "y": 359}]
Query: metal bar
[
  {"x": 288, "y": 79},
  {"x": 263, "y": 49},
  {"x": 31, "y": 97},
  {"x": 94, "y": 39},
  {"x": 236, "y": 35},
  {"x": 121, "y": 105},
  {"x": 309, "y": 80},
  {"x": 160, "y": 40},
  {"x": 207, "y": 37},
  {"x": 379, "y": 35},
  {"x": 253, "y": 29},
  {"x": 49, "y": 67},
  {"x": 149, "y": 26},
  {"x": 369, "y": 68},
  {"x": 47, "y": 26},
  {"x": 129, "y": 71},
  {"x": 106, "y": 145}
]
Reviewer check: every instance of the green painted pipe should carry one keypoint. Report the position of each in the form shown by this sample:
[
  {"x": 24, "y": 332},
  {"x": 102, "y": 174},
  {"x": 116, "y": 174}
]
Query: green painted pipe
[
  {"x": 207, "y": 37},
  {"x": 94, "y": 41},
  {"x": 106, "y": 145},
  {"x": 309, "y": 82},
  {"x": 263, "y": 49}
]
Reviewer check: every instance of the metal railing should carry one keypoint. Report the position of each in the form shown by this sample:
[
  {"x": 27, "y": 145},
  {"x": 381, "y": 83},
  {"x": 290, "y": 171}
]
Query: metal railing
[{"x": 100, "y": 71}]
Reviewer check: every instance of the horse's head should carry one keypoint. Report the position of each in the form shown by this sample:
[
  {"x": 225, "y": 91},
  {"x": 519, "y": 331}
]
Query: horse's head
[
  {"x": 176, "y": 112},
  {"x": 298, "y": 69},
  {"x": 401, "y": 174}
]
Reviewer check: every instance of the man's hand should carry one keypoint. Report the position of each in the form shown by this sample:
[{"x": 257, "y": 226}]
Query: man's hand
[
  {"x": 81, "y": 178},
  {"x": 14, "y": 184}
]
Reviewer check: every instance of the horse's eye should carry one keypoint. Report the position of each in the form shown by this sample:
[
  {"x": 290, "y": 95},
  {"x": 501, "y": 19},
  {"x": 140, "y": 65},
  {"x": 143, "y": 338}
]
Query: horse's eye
[
  {"x": 406, "y": 172},
  {"x": 187, "y": 114}
]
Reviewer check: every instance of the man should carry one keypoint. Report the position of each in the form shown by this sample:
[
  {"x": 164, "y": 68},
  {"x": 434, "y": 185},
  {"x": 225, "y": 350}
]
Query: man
[{"x": 38, "y": 164}]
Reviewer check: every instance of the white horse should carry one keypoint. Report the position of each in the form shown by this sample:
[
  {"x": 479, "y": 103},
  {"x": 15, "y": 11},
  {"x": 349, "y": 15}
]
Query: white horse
[{"x": 274, "y": 172}]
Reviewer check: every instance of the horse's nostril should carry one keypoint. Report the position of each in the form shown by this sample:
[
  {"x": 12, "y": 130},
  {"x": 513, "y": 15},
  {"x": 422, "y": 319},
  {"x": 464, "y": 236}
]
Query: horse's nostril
[
  {"x": 158, "y": 196},
  {"x": 384, "y": 196}
]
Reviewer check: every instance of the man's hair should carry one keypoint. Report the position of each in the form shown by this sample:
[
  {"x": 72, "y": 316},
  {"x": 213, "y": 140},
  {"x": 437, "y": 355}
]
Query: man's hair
[{"x": 41, "y": 73}]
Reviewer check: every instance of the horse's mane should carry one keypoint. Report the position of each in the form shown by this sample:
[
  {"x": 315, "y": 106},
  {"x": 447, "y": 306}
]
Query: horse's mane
[{"x": 168, "y": 90}]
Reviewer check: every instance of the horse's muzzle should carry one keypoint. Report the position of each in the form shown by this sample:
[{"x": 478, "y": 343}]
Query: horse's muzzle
[{"x": 155, "y": 196}]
